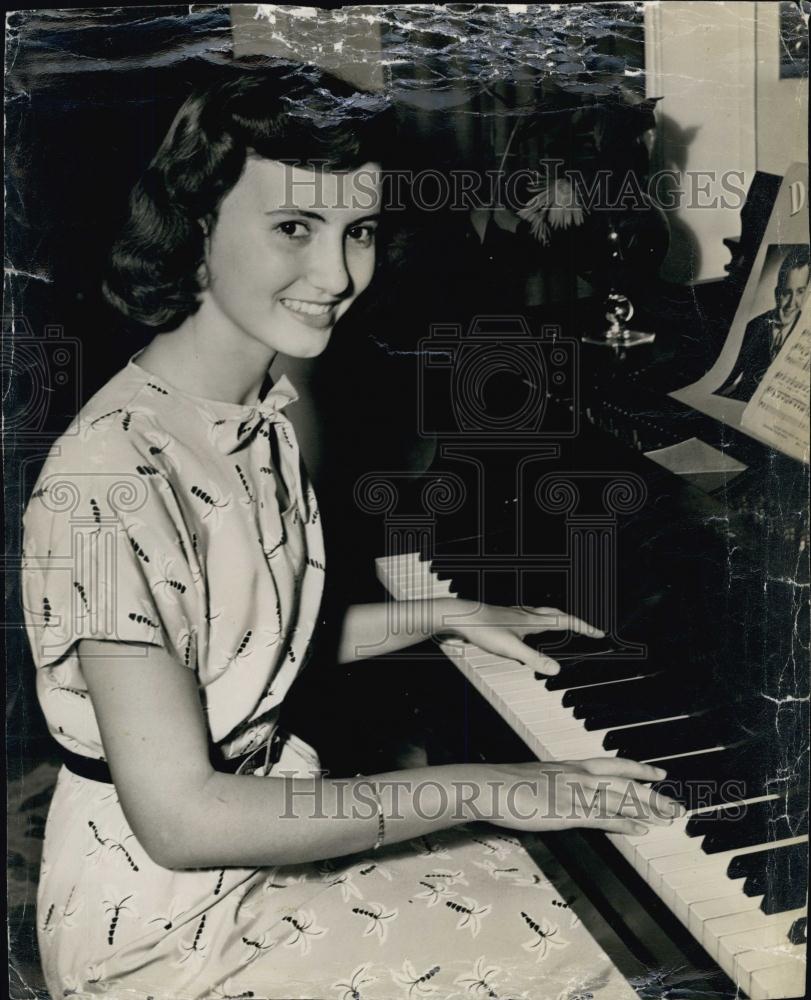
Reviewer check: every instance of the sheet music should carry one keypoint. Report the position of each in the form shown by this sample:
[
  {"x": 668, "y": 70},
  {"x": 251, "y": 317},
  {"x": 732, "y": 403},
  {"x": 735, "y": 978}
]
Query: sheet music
[
  {"x": 729, "y": 390},
  {"x": 778, "y": 412}
]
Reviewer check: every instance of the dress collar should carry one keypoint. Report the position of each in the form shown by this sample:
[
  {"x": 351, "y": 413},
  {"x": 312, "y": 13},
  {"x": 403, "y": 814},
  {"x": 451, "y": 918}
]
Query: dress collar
[{"x": 231, "y": 424}]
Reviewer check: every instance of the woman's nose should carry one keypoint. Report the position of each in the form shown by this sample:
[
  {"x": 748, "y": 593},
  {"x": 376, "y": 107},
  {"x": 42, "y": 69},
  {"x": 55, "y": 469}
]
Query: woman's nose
[{"x": 328, "y": 271}]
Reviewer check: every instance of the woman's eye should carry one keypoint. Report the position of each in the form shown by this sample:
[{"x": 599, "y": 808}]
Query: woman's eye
[
  {"x": 363, "y": 236},
  {"x": 293, "y": 229}
]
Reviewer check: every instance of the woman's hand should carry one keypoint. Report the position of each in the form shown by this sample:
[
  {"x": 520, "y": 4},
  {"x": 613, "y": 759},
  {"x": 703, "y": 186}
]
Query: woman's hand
[
  {"x": 603, "y": 793},
  {"x": 500, "y": 630}
]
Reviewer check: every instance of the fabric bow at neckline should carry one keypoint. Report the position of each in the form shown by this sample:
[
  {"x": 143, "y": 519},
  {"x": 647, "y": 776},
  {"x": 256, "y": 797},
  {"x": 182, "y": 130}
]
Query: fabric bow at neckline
[{"x": 235, "y": 424}]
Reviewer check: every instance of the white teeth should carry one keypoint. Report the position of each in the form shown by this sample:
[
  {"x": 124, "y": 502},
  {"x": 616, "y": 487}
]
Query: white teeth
[{"x": 309, "y": 308}]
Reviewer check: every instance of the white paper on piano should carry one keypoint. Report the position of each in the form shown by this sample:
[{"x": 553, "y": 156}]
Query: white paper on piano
[
  {"x": 778, "y": 412},
  {"x": 699, "y": 463}
]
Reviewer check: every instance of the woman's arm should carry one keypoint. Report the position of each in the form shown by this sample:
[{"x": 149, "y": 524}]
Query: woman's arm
[
  {"x": 378, "y": 629},
  {"x": 386, "y": 627},
  {"x": 186, "y": 815}
]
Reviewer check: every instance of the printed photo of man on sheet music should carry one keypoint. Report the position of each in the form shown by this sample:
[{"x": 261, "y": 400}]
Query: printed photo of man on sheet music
[{"x": 767, "y": 332}]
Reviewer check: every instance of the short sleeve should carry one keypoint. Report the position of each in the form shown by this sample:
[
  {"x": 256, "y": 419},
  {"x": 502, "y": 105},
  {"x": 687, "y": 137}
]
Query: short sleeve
[{"x": 106, "y": 556}]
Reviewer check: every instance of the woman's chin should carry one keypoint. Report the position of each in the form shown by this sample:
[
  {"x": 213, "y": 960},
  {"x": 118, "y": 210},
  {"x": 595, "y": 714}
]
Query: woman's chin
[{"x": 306, "y": 347}]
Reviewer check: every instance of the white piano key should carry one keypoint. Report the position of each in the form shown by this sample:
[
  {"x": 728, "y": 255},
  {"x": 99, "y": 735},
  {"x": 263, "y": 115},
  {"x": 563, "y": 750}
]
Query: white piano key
[
  {"x": 579, "y": 743},
  {"x": 770, "y": 937},
  {"x": 496, "y": 666},
  {"x": 695, "y": 875},
  {"x": 537, "y": 713},
  {"x": 537, "y": 709},
  {"x": 562, "y": 725},
  {"x": 781, "y": 971},
  {"x": 659, "y": 867},
  {"x": 547, "y": 727},
  {"x": 777, "y": 982},
  {"x": 720, "y": 907},
  {"x": 517, "y": 690},
  {"x": 753, "y": 921},
  {"x": 677, "y": 861},
  {"x": 682, "y": 899},
  {"x": 665, "y": 842},
  {"x": 520, "y": 694},
  {"x": 670, "y": 885}
]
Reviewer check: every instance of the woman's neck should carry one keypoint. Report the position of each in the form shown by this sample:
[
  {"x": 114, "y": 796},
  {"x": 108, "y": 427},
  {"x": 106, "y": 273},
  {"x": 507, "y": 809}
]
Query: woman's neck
[{"x": 203, "y": 361}]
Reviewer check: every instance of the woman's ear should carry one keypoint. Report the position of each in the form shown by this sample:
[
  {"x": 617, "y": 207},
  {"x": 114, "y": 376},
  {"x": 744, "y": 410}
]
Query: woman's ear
[{"x": 202, "y": 270}]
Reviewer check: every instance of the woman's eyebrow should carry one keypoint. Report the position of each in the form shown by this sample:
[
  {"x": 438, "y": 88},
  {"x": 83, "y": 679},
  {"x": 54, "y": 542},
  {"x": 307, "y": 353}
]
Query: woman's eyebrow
[
  {"x": 372, "y": 217},
  {"x": 296, "y": 211}
]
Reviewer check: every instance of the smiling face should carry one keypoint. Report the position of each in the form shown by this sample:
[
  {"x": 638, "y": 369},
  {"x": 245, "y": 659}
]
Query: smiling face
[
  {"x": 790, "y": 296},
  {"x": 290, "y": 251}
]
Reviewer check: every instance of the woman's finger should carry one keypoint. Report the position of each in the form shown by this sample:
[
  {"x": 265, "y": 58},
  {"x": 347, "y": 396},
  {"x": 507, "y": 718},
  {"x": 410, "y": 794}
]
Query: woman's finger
[
  {"x": 601, "y": 801},
  {"x": 630, "y": 827},
  {"x": 633, "y": 799},
  {"x": 555, "y": 620},
  {"x": 622, "y": 767},
  {"x": 503, "y": 642}
]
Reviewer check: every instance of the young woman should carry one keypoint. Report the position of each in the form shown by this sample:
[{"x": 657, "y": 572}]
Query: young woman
[{"x": 173, "y": 578}]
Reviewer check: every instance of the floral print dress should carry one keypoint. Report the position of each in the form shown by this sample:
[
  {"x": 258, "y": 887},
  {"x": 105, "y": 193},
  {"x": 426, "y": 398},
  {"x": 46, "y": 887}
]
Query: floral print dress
[{"x": 169, "y": 520}]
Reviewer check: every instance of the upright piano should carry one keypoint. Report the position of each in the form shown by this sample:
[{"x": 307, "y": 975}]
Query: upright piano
[{"x": 700, "y": 584}]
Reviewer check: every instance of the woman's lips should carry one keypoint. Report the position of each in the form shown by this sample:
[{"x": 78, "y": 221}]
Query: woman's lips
[{"x": 318, "y": 315}]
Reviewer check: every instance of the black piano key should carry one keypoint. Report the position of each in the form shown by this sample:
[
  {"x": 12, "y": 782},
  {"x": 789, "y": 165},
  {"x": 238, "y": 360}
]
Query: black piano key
[
  {"x": 596, "y": 670},
  {"x": 733, "y": 826},
  {"x": 571, "y": 647},
  {"x": 756, "y": 865},
  {"x": 717, "y": 777},
  {"x": 700, "y": 824},
  {"x": 780, "y": 825},
  {"x": 612, "y": 705},
  {"x": 779, "y": 874},
  {"x": 737, "y": 825},
  {"x": 583, "y": 700},
  {"x": 798, "y": 933},
  {"x": 619, "y": 714},
  {"x": 745, "y": 826},
  {"x": 658, "y": 739}
]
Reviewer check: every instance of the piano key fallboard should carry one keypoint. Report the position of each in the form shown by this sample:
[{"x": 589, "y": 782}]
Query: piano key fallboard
[{"x": 734, "y": 869}]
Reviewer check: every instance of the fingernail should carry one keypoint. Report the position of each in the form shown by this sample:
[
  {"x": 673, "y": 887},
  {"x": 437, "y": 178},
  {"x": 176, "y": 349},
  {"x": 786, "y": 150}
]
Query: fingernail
[
  {"x": 640, "y": 829},
  {"x": 660, "y": 772}
]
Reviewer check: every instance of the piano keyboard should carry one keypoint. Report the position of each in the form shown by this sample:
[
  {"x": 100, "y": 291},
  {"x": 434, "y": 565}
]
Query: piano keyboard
[{"x": 738, "y": 886}]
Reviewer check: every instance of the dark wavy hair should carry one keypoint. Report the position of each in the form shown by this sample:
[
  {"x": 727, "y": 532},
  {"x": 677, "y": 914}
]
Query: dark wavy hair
[{"x": 278, "y": 111}]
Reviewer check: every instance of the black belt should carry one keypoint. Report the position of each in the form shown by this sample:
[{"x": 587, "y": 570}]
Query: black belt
[{"x": 97, "y": 770}]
